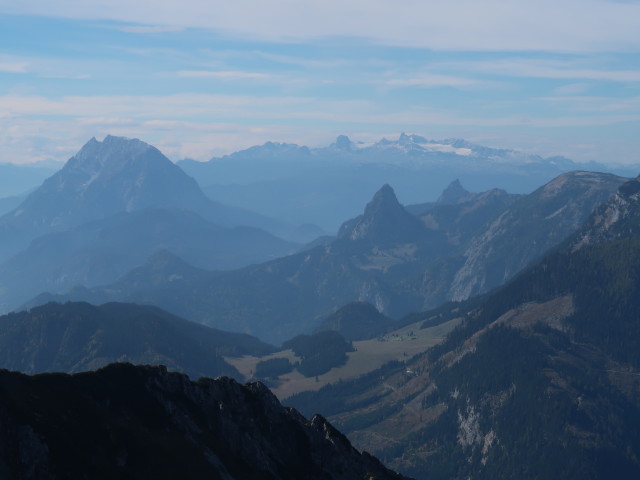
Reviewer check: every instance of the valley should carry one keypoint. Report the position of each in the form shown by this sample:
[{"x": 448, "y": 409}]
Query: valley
[{"x": 369, "y": 355}]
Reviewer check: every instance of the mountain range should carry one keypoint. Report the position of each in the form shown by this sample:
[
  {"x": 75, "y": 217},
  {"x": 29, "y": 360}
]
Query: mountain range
[
  {"x": 16, "y": 180},
  {"x": 290, "y": 182},
  {"x": 107, "y": 210},
  {"x": 395, "y": 260},
  {"x": 539, "y": 380}
]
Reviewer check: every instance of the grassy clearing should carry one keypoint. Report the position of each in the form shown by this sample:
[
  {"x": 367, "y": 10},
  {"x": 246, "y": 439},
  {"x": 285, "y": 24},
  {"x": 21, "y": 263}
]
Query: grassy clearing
[{"x": 369, "y": 355}]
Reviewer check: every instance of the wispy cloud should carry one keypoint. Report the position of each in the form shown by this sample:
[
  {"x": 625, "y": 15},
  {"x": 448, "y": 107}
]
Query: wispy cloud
[
  {"x": 225, "y": 75},
  {"x": 432, "y": 80},
  {"x": 194, "y": 117},
  {"x": 545, "y": 25},
  {"x": 12, "y": 67},
  {"x": 598, "y": 104},
  {"x": 545, "y": 68},
  {"x": 198, "y": 79},
  {"x": 572, "y": 89},
  {"x": 151, "y": 29}
]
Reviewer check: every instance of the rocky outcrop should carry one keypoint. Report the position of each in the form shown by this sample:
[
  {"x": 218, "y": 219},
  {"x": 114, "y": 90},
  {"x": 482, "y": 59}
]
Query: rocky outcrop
[
  {"x": 528, "y": 228},
  {"x": 384, "y": 222},
  {"x": 144, "y": 422},
  {"x": 618, "y": 217}
]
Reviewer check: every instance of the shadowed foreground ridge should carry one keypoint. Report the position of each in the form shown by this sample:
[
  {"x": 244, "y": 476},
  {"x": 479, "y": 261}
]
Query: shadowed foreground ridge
[{"x": 135, "y": 422}]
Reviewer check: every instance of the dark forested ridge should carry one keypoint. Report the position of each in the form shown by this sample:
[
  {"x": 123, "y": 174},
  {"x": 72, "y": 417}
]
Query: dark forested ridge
[
  {"x": 541, "y": 379},
  {"x": 75, "y": 337},
  {"x": 319, "y": 352},
  {"x": 142, "y": 422},
  {"x": 357, "y": 321}
]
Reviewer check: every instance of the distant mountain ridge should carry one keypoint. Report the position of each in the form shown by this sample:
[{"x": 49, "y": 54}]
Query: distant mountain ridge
[
  {"x": 417, "y": 167},
  {"x": 112, "y": 205},
  {"x": 104, "y": 178},
  {"x": 514, "y": 239},
  {"x": 396, "y": 261},
  {"x": 77, "y": 337},
  {"x": 18, "y": 179},
  {"x": 102, "y": 251}
]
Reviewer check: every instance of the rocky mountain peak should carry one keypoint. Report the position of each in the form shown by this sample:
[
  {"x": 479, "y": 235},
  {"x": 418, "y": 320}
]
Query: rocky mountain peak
[
  {"x": 103, "y": 178},
  {"x": 343, "y": 143},
  {"x": 617, "y": 218},
  {"x": 383, "y": 201},
  {"x": 112, "y": 153},
  {"x": 411, "y": 139},
  {"x": 454, "y": 193},
  {"x": 384, "y": 220}
]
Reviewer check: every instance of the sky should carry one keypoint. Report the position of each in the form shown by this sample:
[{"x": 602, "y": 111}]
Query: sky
[{"x": 203, "y": 78}]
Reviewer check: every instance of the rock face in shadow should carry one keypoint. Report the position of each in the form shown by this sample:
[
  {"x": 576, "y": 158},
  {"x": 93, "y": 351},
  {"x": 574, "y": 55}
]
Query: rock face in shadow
[{"x": 143, "y": 422}]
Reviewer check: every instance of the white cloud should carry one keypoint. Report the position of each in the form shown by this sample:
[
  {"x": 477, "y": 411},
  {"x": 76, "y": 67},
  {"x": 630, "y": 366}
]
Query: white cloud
[
  {"x": 545, "y": 25},
  {"x": 199, "y": 126}
]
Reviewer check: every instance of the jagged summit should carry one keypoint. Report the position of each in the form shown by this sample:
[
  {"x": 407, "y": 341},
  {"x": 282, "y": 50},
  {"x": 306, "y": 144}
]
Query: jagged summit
[
  {"x": 343, "y": 143},
  {"x": 405, "y": 139},
  {"x": 384, "y": 221},
  {"x": 112, "y": 153}
]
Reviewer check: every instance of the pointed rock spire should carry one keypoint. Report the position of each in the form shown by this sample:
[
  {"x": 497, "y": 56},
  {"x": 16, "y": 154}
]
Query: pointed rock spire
[
  {"x": 454, "y": 193},
  {"x": 385, "y": 221}
]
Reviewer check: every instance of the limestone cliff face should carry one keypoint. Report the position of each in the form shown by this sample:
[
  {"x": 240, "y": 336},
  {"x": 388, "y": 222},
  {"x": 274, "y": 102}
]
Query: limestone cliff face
[
  {"x": 618, "y": 217},
  {"x": 528, "y": 228},
  {"x": 144, "y": 422}
]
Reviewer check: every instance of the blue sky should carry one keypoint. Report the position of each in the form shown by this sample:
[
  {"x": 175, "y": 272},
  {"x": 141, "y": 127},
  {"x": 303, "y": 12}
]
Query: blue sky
[{"x": 201, "y": 78}]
